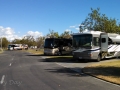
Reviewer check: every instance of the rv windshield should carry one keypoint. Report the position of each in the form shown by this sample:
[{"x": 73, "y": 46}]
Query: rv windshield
[
  {"x": 50, "y": 43},
  {"x": 83, "y": 40}
]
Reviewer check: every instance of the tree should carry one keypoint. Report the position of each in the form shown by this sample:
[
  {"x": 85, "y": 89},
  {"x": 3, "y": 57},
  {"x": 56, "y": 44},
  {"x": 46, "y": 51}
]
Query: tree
[
  {"x": 92, "y": 19},
  {"x": 16, "y": 41},
  {"x": 5, "y": 42},
  {"x": 40, "y": 41},
  {"x": 29, "y": 40},
  {"x": 52, "y": 34},
  {"x": 66, "y": 34},
  {"x": 100, "y": 22}
]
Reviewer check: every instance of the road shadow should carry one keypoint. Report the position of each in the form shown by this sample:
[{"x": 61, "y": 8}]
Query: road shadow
[
  {"x": 67, "y": 59},
  {"x": 35, "y": 55},
  {"x": 103, "y": 71},
  {"x": 45, "y": 55},
  {"x": 67, "y": 71},
  {"x": 55, "y": 58}
]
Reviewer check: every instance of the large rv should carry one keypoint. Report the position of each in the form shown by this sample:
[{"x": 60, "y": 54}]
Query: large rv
[
  {"x": 57, "y": 46},
  {"x": 15, "y": 47},
  {"x": 95, "y": 45}
]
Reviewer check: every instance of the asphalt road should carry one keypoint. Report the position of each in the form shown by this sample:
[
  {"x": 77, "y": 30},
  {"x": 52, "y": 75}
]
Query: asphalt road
[{"x": 23, "y": 71}]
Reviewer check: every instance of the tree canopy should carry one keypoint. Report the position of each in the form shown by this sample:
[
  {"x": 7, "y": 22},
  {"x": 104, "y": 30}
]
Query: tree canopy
[
  {"x": 66, "y": 34},
  {"x": 52, "y": 34},
  {"x": 4, "y": 42},
  {"x": 100, "y": 22}
]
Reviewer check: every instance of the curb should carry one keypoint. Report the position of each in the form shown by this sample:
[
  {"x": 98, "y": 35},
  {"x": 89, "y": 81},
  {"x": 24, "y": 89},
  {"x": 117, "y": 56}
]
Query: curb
[{"x": 99, "y": 78}]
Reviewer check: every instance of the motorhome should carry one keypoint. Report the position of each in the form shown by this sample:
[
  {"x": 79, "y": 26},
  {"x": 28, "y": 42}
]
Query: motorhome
[
  {"x": 95, "y": 45},
  {"x": 57, "y": 46},
  {"x": 15, "y": 47}
]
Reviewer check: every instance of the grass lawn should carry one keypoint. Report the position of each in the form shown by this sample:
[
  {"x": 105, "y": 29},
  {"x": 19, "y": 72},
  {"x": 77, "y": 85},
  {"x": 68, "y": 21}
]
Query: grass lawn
[
  {"x": 109, "y": 71},
  {"x": 1, "y": 51}
]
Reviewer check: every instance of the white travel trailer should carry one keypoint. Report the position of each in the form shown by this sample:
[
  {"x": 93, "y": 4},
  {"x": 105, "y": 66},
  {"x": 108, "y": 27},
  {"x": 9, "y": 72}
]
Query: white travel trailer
[
  {"x": 15, "y": 47},
  {"x": 95, "y": 45}
]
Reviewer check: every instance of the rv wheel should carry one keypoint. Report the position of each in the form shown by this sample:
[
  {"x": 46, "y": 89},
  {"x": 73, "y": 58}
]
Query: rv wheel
[
  {"x": 44, "y": 54},
  {"x": 99, "y": 58},
  {"x": 59, "y": 53}
]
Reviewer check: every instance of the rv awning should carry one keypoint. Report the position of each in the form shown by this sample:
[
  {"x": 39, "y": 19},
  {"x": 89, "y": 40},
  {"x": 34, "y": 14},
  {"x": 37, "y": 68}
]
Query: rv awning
[{"x": 115, "y": 39}]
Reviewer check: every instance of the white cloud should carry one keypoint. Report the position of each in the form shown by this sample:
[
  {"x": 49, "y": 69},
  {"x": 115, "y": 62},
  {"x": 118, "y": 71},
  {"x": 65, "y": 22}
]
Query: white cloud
[
  {"x": 34, "y": 34},
  {"x": 82, "y": 25},
  {"x": 67, "y": 30},
  {"x": 72, "y": 26},
  {"x": 8, "y": 32},
  {"x": 77, "y": 28},
  {"x": 5, "y": 31}
]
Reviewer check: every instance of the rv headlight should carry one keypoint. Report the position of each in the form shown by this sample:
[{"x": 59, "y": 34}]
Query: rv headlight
[{"x": 90, "y": 54}]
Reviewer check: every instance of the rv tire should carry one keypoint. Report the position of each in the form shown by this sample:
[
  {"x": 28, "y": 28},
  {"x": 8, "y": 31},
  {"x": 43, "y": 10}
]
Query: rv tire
[
  {"x": 44, "y": 54},
  {"x": 98, "y": 58},
  {"x": 59, "y": 53}
]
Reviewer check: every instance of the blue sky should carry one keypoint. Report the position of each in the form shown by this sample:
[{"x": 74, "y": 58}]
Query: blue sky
[{"x": 35, "y": 17}]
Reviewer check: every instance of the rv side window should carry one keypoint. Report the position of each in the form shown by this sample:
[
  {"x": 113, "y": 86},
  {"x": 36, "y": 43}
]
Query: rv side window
[
  {"x": 109, "y": 41},
  {"x": 103, "y": 40},
  {"x": 95, "y": 41},
  {"x": 65, "y": 43},
  {"x": 56, "y": 43}
]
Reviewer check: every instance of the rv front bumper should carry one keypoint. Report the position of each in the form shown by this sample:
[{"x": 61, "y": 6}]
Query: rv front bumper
[
  {"x": 50, "y": 51},
  {"x": 83, "y": 55}
]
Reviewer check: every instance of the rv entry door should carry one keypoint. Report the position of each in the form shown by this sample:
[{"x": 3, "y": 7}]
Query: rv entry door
[{"x": 104, "y": 42}]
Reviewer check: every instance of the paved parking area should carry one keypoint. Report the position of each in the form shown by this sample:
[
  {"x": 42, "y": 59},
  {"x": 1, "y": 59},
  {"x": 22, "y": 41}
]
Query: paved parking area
[{"x": 77, "y": 66}]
